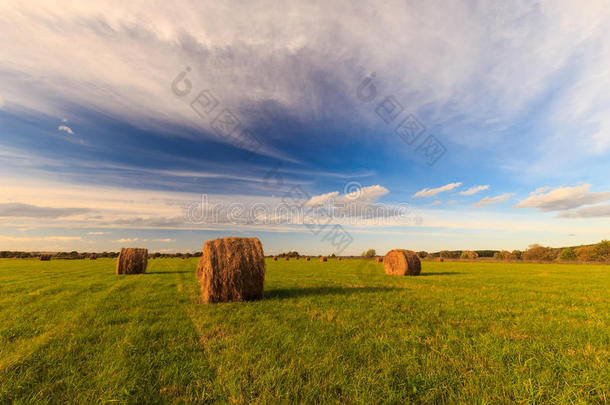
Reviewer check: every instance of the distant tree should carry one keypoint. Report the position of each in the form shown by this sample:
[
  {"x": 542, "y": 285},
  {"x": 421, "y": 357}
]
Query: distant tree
[
  {"x": 486, "y": 253},
  {"x": 586, "y": 253},
  {"x": 504, "y": 255},
  {"x": 602, "y": 251},
  {"x": 422, "y": 254},
  {"x": 333, "y": 255},
  {"x": 445, "y": 254},
  {"x": 539, "y": 253},
  {"x": 517, "y": 253},
  {"x": 469, "y": 254},
  {"x": 369, "y": 253},
  {"x": 567, "y": 254}
]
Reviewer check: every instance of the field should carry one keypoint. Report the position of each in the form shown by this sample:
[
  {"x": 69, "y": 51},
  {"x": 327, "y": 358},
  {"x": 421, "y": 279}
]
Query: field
[{"x": 339, "y": 332}]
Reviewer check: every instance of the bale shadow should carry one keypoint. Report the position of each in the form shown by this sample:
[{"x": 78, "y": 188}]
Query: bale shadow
[
  {"x": 171, "y": 272},
  {"x": 283, "y": 293},
  {"x": 445, "y": 273}
]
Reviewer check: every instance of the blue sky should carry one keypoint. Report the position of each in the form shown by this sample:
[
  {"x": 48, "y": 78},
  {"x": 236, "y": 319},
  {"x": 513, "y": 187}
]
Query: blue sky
[{"x": 421, "y": 125}]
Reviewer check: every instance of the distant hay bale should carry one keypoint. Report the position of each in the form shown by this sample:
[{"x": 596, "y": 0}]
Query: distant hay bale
[
  {"x": 401, "y": 262},
  {"x": 287, "y": 258},
  {"x": 308, "y": 259},
  {"x": 92, "y": 257},
  {"x": 132, "y": 261},
  {"x": 440, "y": 259},
  {"x": 45, "y": 258},
  {"x": 323, "y": 259},
  {"x": 232, "y": 269},
  {"x": 275, "y": 259},
  {"x": 379, "y": 259},
  {"x": 339, "y": 258}
]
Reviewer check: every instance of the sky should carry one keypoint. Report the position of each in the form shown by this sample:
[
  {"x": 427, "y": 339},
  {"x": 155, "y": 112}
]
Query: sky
[{"x": 316, "y": 126}]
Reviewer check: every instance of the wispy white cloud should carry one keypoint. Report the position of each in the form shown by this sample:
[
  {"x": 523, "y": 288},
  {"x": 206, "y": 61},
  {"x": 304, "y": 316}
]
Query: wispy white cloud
[
  {"x": 127, "y": 240},
  {"x": 65, "y": 128},
  {"x": 474, "y": 190},
  {"x": 493, "y": 200},
  {"x": 97, "y": 233},
  {"x": 435, "y": 203},
  {"x": 431, "y": 192},
  {"x": 563, "y": 198},
  {"x": 164, "y": 240},
  {"x": 39, "y": 238}
]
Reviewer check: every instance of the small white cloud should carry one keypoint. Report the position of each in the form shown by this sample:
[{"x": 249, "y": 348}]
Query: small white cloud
[
  {"x": 322, "y": 199},
  {"x": 563, "y": 198},
  {"x": 431, "y": 192},
  {"x": 65, "y": 129},
  {"x": 164, "y": 240},
  {"x": 493, "y": 200},
  {"x": 474, "y": 190},
  {"x": 127, "y": 240},
  {"x": 64, "y": 120},
  {"x": 97, "y": 233}
]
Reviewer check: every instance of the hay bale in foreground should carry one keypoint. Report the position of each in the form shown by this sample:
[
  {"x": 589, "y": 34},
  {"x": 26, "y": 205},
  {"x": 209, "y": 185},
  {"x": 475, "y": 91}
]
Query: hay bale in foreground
[
  {"x": 132, "y": 261},
  {"x": 232, "y": 269},
  {"x": 401, "y": 262},
  {"x": 323, "y": 259},
  {"x": 45, "y": 258}
]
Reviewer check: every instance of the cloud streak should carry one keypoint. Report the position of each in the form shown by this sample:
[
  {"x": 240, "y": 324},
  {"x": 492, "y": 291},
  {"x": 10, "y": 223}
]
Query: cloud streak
[{"x": 431, "y": 192}]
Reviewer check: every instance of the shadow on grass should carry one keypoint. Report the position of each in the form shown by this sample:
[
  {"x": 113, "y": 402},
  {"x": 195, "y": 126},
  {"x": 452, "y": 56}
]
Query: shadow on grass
[
  {"x": 281, "y": 293},
  {"x": 171, "y": 272},
  {"x": 446, "y": 273}
]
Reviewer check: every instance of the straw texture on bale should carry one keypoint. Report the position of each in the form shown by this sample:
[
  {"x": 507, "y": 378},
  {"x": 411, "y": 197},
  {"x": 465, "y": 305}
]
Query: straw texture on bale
[
  {"x": 132, "y": 261},
  {"x": 323, "y": 259},
  {"x": 232, "y": 269},
  {"x": 401, "y": 262}
]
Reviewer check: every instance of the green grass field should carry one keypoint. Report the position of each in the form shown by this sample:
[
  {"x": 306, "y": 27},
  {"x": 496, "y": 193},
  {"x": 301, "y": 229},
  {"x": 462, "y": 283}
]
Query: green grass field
[{"x": 338, "y": 332}]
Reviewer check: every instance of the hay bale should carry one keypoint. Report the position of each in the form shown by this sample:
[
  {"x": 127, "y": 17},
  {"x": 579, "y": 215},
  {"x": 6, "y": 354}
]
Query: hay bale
[
  {"x": 308, "y": 259},
  {"x": 379, "y": 259},
  {"x": 440, "y": 259},
  {"x": 45, "y": 258},
  {"x": 287, "y": 258},
  {"x": 401, "y": 262},
  {"x": 339, "y": 258},
  {"x": 92, "y": 257},
  {"x": 275, "y": 259},
  {"x": 132, "y": 261},
  {"x": 232, "y": 269},
  {"x": 323, "y": 259}
]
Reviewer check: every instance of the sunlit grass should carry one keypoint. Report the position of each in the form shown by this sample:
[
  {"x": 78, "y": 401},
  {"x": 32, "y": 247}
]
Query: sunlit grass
[{"x": 341, "y": 331}]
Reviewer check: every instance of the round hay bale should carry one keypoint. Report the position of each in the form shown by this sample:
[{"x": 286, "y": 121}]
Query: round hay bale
[
  {"x": 287, "y": 258},
  {"x": 379, "y": 259},
  {"x": 308, "y": 259},
  {"x": 339, "y": 258},
  {"x": 132, "y": 261},
  {"x": 92, "y": 257},
  {"x": 440, "y": 259},
  {"x": 323, "y": 259},
  {"x": 275, "y": 259},
  {"x": 232, "y": 269},
  {"x": 401, "y": 262}
]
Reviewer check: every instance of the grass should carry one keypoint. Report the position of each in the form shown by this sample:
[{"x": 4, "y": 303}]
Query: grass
[{"x": 339, "y": 332}]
